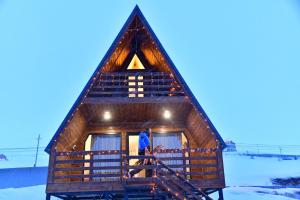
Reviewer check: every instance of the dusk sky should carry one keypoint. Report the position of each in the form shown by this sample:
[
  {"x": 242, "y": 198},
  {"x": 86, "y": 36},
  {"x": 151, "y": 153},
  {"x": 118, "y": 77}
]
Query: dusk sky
[{"x": 241, "y": 59}]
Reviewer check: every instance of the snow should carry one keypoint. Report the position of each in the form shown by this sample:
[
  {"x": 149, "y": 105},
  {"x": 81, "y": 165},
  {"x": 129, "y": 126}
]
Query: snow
[
  {"x": 23, "y": 177},
  {"x": 251, "y": 193},
  {"x": 244, "y": 171},
  {"x": 232, "y": 193},
  {"x": 34, "y": 193}
]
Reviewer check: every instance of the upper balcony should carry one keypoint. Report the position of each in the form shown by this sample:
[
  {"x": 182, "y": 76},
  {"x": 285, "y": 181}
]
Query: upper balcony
[{"x": 136, "y": 85}]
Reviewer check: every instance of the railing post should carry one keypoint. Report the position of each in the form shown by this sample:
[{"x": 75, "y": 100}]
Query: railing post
[
  {"x": 155, "y": 169},
  {"x": 52, "y": 166},
  {"x": 121, "y": 165},
  {"x": 184, "y": 163},
  {"x": 91, "y": 167},
  {"x": 220, "y": 165},
  {"x": 51, "y": 170},
  {"x": 190, "y": 162}
]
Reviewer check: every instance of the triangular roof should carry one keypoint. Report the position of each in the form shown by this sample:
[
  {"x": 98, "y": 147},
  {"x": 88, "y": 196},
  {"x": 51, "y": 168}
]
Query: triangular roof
[{"x": 135, "y": 13}]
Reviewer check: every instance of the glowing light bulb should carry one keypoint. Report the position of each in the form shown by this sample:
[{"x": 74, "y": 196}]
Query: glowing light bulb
[
  {"x": 167, "y": 114},
  {"x": 107, "y": 115}
]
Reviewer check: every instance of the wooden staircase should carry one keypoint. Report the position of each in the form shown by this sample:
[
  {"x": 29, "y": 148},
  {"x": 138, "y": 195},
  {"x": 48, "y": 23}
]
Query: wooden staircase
[
  {"x": 165, "y": 180},
  {"x": 178, "y": 186}
]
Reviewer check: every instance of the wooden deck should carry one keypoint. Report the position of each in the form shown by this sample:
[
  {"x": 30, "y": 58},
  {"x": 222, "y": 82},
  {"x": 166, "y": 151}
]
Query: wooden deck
[
  {"x": 94, "y": 172},
  {"x": 136, "y": 84}
]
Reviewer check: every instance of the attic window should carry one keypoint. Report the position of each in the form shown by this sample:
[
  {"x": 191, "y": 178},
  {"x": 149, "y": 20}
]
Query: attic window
[{"x": 135, "y": 63}]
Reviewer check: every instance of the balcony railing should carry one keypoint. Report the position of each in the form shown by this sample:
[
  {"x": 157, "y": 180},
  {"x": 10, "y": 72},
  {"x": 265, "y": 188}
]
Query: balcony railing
[
  {"x": 139, "y": 84},
  {"x": 198, "y": 165}
]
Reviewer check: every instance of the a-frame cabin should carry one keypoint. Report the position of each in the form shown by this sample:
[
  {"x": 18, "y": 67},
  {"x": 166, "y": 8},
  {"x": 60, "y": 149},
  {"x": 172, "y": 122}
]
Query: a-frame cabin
[{"x": 136, "y": 86}]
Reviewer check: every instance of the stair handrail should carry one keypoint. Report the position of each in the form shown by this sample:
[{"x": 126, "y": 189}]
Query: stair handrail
[
  {"x": 183, "y": 179},
  {"x": 177, "y": 174}
]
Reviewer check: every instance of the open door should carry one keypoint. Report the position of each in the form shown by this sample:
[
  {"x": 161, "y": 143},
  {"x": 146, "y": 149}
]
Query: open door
[{"x": 133, "y": 149}]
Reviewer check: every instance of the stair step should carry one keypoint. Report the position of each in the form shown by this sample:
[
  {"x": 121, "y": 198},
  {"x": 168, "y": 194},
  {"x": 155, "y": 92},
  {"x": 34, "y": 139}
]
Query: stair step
[{"x": 138, "y": 187}]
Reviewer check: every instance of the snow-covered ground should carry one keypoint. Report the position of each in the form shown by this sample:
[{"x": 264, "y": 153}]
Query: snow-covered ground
[
  {"x": 33, "y": 193},
  {"x": 244, "y": 171},
  {"x": 253, "y": 193},
  {"x": 231, "y": 193},
  {"x": 245, "y": 178}
]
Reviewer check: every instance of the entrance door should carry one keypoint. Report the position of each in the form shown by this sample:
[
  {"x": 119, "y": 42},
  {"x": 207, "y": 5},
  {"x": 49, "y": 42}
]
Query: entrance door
[{"x": 133, "y": 149}]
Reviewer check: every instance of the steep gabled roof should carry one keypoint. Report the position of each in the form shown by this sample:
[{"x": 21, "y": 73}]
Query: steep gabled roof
[{"x": 135, "y": 13}]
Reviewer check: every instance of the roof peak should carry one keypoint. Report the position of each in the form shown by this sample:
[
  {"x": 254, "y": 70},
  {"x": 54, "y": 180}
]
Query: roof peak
[
  {"x": 136, "y": 11},
  {"x": 136, "y": 7}
]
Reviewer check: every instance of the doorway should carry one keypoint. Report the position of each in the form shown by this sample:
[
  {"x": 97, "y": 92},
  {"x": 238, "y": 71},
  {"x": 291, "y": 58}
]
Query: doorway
[{"x": 133, "y": 149}]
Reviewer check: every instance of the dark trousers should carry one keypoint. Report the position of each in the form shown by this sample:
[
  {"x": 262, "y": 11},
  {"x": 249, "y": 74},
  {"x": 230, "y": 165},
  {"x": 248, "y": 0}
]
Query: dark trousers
[{"x": 141, "y": 162}]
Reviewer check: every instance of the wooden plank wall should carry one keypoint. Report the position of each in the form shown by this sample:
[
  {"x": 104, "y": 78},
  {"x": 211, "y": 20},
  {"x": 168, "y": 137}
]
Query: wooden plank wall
[
  {"x": 72, "y": 133},
  {"x": 202, "y": 134},
  {"x": 199, "y": 129}
]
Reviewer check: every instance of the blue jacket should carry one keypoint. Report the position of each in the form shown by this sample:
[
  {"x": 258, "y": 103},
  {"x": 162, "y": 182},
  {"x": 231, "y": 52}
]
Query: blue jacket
[{"x": 143, "y": 140}]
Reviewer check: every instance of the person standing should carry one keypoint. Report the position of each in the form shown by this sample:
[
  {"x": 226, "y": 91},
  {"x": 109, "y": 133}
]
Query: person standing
[{"x": 144, "y": 149}]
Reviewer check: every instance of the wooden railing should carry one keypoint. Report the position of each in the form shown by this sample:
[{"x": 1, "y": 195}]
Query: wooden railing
[
  {"x": 113, "y": 165},
  {"x": 196, "y": 164},
  {"x": 139, "y": 84},
  {"x": 87, "y": 166}
]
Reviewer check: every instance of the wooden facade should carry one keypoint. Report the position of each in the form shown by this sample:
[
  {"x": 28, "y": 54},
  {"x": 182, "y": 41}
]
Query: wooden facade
[{"x": 134, "y": 99}]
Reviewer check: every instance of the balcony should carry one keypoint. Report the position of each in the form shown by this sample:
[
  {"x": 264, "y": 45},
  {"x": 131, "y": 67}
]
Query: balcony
[
  {"x": 87, "y": 171},
  {"x": 136, "y": 85}
]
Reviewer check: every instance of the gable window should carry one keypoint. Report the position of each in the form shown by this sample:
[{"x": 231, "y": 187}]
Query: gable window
[{"x": 135, "y": 63}]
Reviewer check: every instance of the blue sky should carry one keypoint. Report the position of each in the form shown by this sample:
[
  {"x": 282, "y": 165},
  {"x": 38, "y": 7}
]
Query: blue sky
[{"x": 240, "y": 58}]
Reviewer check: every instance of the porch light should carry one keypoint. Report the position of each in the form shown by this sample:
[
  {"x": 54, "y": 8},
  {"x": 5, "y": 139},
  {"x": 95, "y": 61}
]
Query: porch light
[
  {"x": 167, "y": 114},
  {"x": 107, "y": 115},
  {"x": 111, "y": 133}
]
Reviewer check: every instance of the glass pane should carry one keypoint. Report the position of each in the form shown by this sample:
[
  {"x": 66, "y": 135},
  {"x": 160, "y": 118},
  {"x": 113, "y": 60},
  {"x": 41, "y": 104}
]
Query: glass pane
[
  {"x": 106, "y": 142},
  {"x": 169, "y": 141}
]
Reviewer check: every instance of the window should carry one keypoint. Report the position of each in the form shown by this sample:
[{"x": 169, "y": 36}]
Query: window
[
  {"x": 171, "y": 141},
  {"x": 135, "y": 83},
  {"x": 135, "y": 86},
  {"x": 105, "y": 142},
  {"x": 135, "y": 63}
]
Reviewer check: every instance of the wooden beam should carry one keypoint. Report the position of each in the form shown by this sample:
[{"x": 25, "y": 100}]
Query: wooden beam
[
  {"x": 122, "y": 74},
  {"x": 127, "y": 100},
  {"x": 128, "y": 125},
  {"x": 156, "y": 93}
]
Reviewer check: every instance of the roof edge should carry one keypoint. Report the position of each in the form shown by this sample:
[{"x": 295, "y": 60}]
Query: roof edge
[
  {"x": 135, "y": 11},
  {"x": 173, "y": 67}
]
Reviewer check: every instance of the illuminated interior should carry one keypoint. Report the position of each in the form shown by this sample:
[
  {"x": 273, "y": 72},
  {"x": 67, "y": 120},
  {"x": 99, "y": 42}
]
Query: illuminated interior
[
  {"x": 135, "y": 83},
  {"x": 135, "y": 86},
  {"x": 135, "y": 63},
  {"x": 87, "y": 157},
  {"x": 133, "y": 151}
]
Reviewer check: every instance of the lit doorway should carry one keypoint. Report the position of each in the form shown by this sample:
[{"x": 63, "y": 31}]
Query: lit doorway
[{"x": 133, "y": 149}]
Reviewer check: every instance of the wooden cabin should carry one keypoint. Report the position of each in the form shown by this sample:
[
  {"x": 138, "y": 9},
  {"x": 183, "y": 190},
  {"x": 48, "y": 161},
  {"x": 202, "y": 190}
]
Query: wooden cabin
[{"x": 135, "y": 86}]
